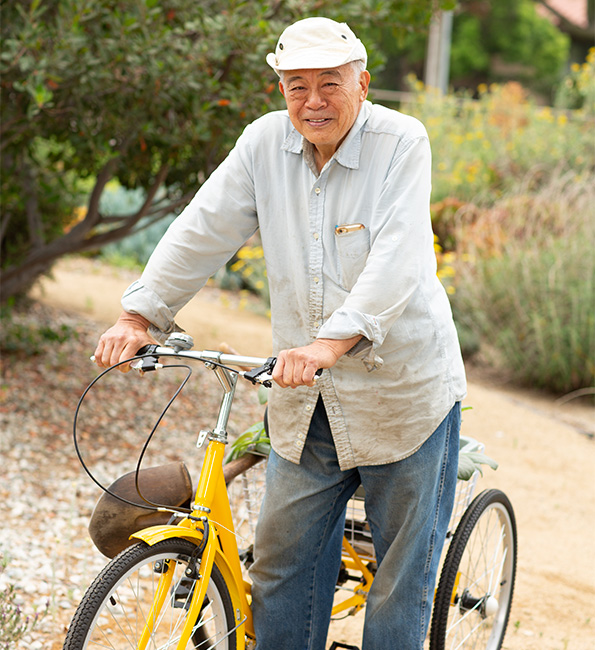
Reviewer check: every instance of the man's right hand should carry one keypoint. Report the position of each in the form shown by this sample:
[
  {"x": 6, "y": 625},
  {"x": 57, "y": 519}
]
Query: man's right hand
[{"x": 122, "y": 341}]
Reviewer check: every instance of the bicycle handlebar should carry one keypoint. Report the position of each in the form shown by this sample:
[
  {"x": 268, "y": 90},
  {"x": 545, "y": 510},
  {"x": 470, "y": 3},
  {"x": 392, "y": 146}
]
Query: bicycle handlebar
[{"x": 261, "y": 369}]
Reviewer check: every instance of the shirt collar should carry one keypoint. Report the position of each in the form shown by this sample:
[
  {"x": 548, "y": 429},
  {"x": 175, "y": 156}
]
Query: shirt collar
[{"x": 348, "y": 153}]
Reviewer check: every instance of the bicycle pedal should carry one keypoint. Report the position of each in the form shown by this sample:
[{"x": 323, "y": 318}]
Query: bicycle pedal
[{"x": 345, "y": 646}]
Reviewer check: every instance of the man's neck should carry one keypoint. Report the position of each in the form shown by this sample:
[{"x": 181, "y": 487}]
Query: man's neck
[{"x": 322, "y": 155}]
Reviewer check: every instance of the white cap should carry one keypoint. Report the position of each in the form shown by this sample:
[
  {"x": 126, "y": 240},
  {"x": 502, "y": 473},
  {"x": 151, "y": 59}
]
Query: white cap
[{"x": 316, "y": 43}]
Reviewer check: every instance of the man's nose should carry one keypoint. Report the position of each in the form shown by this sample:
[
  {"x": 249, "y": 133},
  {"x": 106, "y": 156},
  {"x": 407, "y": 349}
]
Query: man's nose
[{"x": 315, "y": 100}]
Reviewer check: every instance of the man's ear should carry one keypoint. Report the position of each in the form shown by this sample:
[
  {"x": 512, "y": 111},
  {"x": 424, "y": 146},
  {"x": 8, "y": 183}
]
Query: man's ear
[
  {"x": 364, "y": 82},
  {"x": 281, "y": 89}
]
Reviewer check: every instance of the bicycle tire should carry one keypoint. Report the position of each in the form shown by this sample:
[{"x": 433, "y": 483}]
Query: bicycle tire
[
  {"x": 474, "y": 596},
  {"x": 113, "y": 611}
]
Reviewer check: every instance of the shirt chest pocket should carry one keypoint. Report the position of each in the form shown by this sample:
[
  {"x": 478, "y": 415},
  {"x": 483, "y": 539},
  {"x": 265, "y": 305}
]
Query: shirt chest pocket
[{"x": 352, "y": 252}]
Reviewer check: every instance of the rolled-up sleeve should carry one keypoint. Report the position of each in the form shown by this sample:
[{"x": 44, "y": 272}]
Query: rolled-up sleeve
[{"x": 214, "y": 225}]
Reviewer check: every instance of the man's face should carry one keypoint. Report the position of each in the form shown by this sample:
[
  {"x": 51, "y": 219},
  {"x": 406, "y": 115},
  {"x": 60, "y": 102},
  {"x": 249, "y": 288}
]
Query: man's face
[{"x": 324, "y": 103}]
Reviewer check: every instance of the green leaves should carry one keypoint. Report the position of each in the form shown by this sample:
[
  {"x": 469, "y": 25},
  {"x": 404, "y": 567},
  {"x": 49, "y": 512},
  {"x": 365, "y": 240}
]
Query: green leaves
[
  {"x": 471, "y": 461},
  {"x": 162, "y": 90},
  {"x": 254, "y": 441}
]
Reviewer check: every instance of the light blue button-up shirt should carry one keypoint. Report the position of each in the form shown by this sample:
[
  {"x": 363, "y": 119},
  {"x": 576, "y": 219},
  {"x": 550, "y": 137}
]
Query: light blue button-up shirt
[{"x": 377, "y": 279}]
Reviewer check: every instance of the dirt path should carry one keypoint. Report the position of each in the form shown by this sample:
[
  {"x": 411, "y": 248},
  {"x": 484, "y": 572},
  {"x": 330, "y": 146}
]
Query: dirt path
[{"x": 545, "y": 450}]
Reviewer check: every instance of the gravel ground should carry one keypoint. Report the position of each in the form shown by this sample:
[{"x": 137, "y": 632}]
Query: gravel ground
[{"x": 45, "y": 495}]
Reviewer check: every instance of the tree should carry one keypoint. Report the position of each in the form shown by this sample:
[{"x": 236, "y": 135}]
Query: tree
[
  {"x": 151, "y": 93},
  {"x": 503, "y": 39}
]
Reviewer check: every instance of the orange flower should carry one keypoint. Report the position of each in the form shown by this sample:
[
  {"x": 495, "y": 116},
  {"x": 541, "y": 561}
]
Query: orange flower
[{"x": 224, "y": 102}]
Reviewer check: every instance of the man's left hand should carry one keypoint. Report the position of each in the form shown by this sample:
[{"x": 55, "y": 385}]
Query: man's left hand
[{"x": 298, "y": 366}]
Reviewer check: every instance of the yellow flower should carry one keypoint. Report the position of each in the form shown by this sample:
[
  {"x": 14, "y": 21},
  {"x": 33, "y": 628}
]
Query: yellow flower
[
  {"x": 545, "y": 114},
  {"x": 446, "y": 272}
]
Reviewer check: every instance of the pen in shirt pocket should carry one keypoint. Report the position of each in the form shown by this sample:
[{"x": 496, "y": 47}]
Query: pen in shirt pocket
[{"x": 348, "y": 227}]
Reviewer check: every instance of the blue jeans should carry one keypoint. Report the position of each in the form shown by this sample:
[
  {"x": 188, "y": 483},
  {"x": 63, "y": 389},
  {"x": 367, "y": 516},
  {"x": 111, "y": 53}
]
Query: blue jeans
[{"x": 299, "y": 533}]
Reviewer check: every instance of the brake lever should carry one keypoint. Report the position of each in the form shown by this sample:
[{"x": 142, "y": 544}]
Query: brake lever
[
  {"x": 263, "y": 374},
  {"x": 146, "y": 363}
]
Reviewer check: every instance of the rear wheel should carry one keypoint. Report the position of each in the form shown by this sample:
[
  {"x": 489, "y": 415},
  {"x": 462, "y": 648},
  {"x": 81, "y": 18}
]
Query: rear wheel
[
  {"x": 113, "y": 611},
  {"x": 474, "y": 594}
]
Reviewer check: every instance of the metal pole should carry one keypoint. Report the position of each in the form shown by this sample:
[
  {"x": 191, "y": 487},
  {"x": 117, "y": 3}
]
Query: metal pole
[{"x": 438, "y": 51}]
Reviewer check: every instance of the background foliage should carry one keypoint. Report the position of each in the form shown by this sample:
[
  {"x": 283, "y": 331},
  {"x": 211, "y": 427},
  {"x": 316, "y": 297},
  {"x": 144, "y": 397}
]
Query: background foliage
[
  {"x": 150, "y": 93},
  {"x": 112, "y": 116},
  {"x": 493, "y": 41}
]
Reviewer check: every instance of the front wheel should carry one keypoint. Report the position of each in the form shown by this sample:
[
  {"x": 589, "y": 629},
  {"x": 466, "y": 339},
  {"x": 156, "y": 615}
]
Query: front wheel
[
  {"x": 116, "y": 607},
  {"x": 474, "y": 593}
]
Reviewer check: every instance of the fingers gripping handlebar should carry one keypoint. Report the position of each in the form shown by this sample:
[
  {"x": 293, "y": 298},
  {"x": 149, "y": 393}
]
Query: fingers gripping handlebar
[{"x": 264, "y": 374}]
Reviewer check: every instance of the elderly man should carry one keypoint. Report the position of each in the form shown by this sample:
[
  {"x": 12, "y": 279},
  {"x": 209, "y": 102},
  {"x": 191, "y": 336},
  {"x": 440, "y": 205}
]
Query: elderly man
[{"x": 339, "y": 189}]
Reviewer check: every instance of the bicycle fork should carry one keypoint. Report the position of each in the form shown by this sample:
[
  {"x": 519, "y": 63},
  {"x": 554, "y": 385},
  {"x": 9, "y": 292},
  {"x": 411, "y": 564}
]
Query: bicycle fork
[{"x": 165, "y": 590}]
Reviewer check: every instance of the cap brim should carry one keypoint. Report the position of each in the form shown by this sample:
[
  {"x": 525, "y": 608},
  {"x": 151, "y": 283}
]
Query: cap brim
[{"x": 303, "y": 61}]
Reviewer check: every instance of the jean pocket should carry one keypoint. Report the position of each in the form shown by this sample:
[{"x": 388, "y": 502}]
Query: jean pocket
[{"x": 352, "y": 251}]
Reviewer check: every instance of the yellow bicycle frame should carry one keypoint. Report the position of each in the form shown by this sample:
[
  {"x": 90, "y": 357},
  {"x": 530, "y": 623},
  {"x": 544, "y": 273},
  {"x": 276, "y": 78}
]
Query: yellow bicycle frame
[
  {"x": 211, "y": 505},
  {"x": 351, "y": 560}
]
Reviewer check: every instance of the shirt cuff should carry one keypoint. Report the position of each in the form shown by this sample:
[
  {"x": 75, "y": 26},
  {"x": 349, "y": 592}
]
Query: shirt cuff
[
  {"x": 139, "y": 299},
  {"x": 346, "y": 323}
]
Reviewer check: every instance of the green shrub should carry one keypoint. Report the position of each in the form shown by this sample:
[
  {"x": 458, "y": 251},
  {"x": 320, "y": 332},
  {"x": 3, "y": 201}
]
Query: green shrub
[
  {"x": 486, "y": 148},
  {"x": 132, "y": 251},
  {"x": 577, "y": 90},
  {"x": 24, "y": 331},
  {"x": 526, "y": 284}
]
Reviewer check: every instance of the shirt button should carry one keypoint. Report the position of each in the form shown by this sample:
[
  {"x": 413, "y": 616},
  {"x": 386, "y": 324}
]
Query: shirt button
[
  {"x": 316, "y": 280},
  {"x": 316, "y": 324},
  {"x": 308, "y": 407},
  {"x": 317, "y": 190},
  {"x": 316, "y": 235}
]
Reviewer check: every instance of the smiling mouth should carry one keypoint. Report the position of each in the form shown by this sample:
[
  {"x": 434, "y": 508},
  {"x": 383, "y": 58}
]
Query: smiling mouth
[{"x": 318, "y": 121}]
